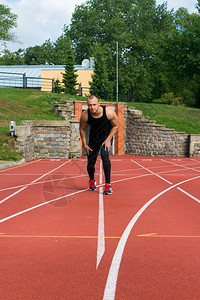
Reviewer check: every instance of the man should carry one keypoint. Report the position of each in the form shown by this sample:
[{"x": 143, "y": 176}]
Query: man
[{"x": 104, "y": 124}]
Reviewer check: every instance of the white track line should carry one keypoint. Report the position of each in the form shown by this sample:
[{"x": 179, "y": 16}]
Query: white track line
[
  {"x": 101, "y": 234},
  {"x": 196, "y": 160},
  {"x": 65, "y": 196},
  {"x": 110, "y": 288},
  {"x": 114, "y": 173},
  {"x": 187, "y": 168},
  {"x": 183, "y": 166},
  {"x": 188, "y": 194},
  {"x": 42, "y": 182},
  {"x": 56, "y": 199},
  {"x": 39, "y": 205},
  {"x": 20, "y": 190},
  {"x": 151, "y": 171}
]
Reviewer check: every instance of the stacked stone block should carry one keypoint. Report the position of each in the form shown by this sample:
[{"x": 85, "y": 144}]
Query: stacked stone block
[
  {"x": 48, "y": 139},
  {"x": 65, "y": 110},
  {"x": 145, "y": 137},
  {"x": 195, "y": 145}
]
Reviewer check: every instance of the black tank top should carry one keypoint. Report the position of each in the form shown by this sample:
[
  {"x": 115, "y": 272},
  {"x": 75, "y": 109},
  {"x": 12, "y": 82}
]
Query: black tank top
[{"x": 99, "y": 127}]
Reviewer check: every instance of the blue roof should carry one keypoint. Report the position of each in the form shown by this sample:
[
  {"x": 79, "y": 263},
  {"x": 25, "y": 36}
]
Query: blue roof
[{"x": 35, "y": 70}]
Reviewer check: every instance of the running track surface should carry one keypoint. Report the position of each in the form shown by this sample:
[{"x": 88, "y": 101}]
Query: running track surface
[{"x": 61, "y": 241}]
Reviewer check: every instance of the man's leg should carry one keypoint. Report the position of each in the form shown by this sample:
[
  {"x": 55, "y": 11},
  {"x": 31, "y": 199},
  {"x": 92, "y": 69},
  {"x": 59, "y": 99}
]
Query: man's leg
[
  {"x": 106, "y": 164},
  {"x": 92, "y": 158}
]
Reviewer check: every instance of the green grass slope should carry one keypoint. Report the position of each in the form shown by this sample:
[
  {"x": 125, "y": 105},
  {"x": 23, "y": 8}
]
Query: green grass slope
[
  {"x": 180, "y": 118},
  {"x": 19, "y": 104}
]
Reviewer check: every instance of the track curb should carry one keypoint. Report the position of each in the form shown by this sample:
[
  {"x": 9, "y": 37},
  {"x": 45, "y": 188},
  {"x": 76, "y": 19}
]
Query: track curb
[{"x": 11, "y": 164}]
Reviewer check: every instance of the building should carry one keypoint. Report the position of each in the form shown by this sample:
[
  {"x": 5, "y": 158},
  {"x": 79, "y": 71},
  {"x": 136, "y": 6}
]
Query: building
[{"x": 43, "y": 77}]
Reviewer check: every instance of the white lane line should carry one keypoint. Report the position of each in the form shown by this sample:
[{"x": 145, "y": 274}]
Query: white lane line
[
  {"x": 151, "y": 171},
  {"x": 22, "y": 165},
  {"x": 187, "y": 168},
  {"x": 114, "y": 173},
  {"x": 188, "y": 195},
  {"x": 111, "y": 284},
  {"x": 31, "y": 208},
  {"x": 196, "y": 160},
  {"x": 41, "y": 182},
  {"x": 39, "y": 205},
  {"x": 183, "y": 166},
  {"x": 101, "y": 234},
  {"x": 65, "y": 196},
  {"x": 20, "y": 190}
]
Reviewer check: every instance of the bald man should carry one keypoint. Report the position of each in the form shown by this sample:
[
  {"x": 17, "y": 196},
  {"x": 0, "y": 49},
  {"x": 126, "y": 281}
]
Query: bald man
[{"x": 104, "y": 124}]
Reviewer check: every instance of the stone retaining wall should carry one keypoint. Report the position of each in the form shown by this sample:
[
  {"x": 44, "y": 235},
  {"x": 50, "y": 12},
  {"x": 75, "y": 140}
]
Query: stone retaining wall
[
  {"x": 195, "y": 145},
  {"x": 145, "y": 137},
  {"x": 137, "y": 135},
  {"x": 52, "y": 139}
]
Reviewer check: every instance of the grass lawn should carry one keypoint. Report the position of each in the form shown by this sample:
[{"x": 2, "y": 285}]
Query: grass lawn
[
  {"x": 19, "y": 104},
  {"x": 180, "y": 118}
]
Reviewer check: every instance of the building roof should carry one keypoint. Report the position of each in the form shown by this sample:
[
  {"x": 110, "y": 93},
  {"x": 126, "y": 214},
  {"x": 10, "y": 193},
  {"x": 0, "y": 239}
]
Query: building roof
[{"x": 34, "y": 70}]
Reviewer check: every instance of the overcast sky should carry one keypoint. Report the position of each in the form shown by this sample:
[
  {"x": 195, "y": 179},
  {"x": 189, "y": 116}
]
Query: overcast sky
[{"x": 40, "y": 20}]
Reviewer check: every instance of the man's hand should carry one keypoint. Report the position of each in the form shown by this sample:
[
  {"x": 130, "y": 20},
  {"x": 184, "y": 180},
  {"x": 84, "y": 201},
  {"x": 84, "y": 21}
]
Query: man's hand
[
  {"x": 107, "y": 145},
  {"x": 87, "y": 149}
]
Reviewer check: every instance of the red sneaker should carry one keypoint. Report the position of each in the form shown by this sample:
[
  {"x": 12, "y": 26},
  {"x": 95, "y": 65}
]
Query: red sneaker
[
  {"x": 92, "y": 185},
  {"x": 108, "y": 189}
]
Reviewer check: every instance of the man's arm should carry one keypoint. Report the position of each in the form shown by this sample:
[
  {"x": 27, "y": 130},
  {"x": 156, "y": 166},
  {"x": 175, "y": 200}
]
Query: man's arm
[
  {"x": 82, "y": 128},
  {"x": 111, "y": 115}
]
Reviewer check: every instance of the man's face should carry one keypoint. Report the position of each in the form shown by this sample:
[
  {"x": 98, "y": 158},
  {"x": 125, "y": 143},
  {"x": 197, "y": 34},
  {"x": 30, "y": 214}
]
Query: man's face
[{"x": 93, "y": 105}]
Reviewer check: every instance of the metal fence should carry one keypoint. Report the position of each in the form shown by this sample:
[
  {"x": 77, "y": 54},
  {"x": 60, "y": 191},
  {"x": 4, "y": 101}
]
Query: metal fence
[
  {"x": 120, "y": 97},
  {"x": 20, "y": 80}
]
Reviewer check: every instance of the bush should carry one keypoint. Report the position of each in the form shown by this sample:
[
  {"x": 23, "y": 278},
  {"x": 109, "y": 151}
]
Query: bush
[
  {"x": 170, "y": 99},
  {"x": 189, "y": 98}
]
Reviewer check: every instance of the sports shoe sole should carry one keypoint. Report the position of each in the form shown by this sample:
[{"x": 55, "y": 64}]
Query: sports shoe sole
[
  {"x": 108, "y": 193},
  {"x": 92, "y": 189}
]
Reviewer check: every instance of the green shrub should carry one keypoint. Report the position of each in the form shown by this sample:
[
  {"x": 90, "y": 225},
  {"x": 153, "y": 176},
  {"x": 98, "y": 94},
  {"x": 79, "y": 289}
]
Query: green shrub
[
  {"x": 189, "y": 98},
  {"x": 170, "y": 99}
]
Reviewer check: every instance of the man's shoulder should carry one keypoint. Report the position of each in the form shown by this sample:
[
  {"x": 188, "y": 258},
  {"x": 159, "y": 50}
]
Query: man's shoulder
[
  {"x": 110, "y": 113},
  {"x": 84, "y": 115}
]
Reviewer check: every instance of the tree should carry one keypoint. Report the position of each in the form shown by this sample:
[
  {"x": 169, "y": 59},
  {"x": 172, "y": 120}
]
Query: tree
[
  {"x": 198, "y": 5},
  {"x": 11, "y": 58},
  {"x": 34, "y": 56},
  {"x": 69, "y": 76},
  {"x": 180, "y": 55},
  {"x": 97, "y": 21},
  {"x": 136, "y": 26},
  {"x": 8, "y": 20},
  {"x": 48, "y": 52},
  {"x": 100, "y": 83},
  {"x": 61, "y": 50}
]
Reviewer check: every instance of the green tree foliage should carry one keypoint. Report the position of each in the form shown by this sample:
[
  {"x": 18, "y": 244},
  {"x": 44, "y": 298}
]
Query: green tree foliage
[
  {"x": 61, "y": 50},
  {"x": 180, "y": 56},
  {"x": 8, "y": 20},
  {"x": 198, "y": 5},
  {"x": 34, "y": 56},
  {"x": 48, "y": 52},
  {"x": 11, "y": 58},
  {"x": 69, "y": 76},
  {"x": 158, "y": 49},
  {"x": 135, "y": 25},
  {"x": 100, "y": 83}
]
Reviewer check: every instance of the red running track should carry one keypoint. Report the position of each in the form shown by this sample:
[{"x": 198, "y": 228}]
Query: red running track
[{"x": 61, "y": 241}]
